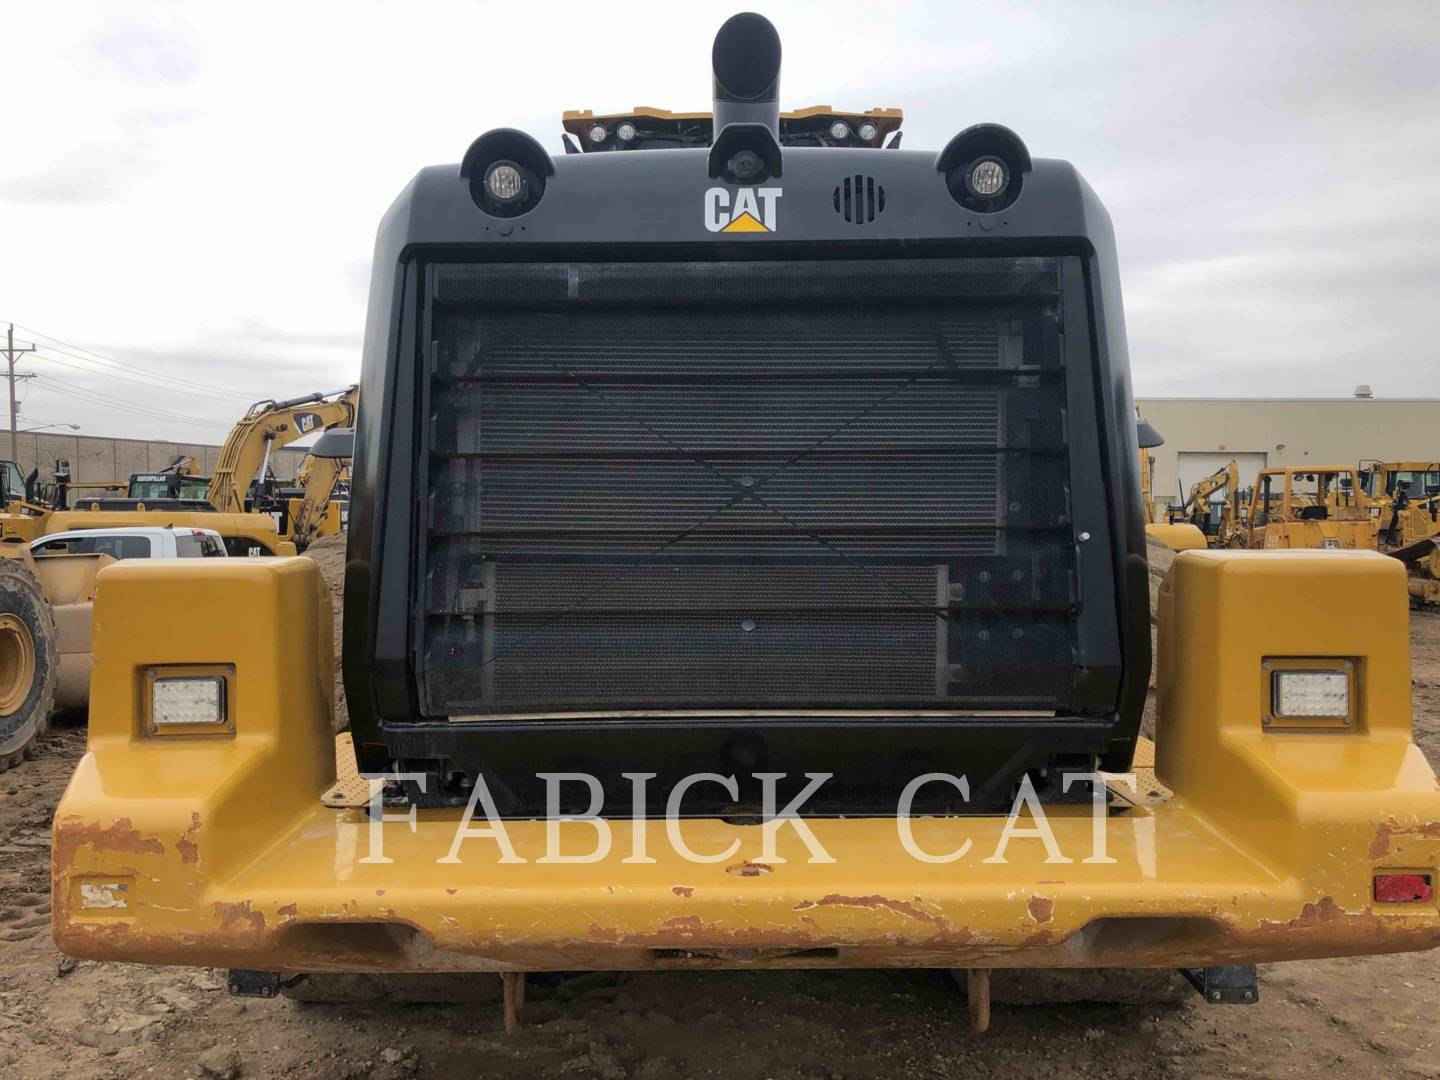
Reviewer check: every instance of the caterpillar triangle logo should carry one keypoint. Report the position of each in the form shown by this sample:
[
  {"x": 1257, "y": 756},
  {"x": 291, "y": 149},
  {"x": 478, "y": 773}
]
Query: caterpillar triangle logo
[{"x": 751, "y": 210}]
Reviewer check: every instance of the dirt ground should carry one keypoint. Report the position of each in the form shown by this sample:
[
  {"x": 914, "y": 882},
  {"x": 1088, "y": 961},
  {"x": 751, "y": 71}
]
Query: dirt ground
[{"x": 1366, "y": 1017}]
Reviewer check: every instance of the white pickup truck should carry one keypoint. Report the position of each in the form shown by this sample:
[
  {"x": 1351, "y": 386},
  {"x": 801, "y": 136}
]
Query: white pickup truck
[{"x": 134, "y": 543}]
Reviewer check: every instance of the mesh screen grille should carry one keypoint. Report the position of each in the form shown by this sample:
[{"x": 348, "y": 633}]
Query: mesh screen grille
[{"x": 746, "y": 485}]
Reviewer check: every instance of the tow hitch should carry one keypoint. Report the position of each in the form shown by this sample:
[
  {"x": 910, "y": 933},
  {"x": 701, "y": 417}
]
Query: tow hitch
[{"x": 1228, "y": 985}]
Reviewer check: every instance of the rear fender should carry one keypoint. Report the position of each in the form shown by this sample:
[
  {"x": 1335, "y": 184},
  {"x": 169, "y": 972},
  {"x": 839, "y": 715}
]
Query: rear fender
[{"x": 1327, "y": 801}]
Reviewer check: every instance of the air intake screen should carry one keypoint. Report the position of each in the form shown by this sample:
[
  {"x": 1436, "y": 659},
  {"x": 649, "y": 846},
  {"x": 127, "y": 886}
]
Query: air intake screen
[
  {"x": 679, "y": 486},
  {"x": 859, "y": 199}
]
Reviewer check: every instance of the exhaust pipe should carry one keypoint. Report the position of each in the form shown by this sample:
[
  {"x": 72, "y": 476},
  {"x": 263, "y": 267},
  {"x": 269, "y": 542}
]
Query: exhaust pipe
[{"x": 745, "y": 63}]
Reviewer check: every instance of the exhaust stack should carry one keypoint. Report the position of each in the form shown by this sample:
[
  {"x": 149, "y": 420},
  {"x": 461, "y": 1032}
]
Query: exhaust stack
[{"x": 745, "y": 63}]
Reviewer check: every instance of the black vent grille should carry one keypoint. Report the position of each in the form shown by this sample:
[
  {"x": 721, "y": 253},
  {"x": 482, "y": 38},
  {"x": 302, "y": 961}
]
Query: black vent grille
[
  {"x": 859, "y": 199},
  {"x": 702, "y": 485}
]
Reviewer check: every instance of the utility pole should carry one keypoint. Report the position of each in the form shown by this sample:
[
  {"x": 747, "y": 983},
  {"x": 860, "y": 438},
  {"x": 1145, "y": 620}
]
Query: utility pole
[{"x": 10, "y": 353}]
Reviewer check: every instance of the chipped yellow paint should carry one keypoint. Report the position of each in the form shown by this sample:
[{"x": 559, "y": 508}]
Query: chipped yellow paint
[{"x": 1262, "y": 848}]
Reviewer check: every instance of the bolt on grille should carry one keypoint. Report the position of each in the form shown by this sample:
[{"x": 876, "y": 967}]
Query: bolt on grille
[{"x": 755, "y": 498}]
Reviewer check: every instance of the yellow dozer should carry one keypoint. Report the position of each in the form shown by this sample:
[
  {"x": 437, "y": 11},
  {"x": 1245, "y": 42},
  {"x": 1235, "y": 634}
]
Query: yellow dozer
[
  {"x": 1309, "y": 507},
  {"x": 763, "y": 598},
  {"x": 1405, "y": 502}
]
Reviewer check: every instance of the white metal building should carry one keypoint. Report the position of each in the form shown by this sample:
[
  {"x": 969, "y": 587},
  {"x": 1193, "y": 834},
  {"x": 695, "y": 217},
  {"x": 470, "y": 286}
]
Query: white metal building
[{"x": 1203, "y": 434}]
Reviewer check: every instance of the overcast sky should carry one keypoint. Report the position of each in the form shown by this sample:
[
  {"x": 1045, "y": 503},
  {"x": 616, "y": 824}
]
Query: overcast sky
[{"x": 189, "y": 191}]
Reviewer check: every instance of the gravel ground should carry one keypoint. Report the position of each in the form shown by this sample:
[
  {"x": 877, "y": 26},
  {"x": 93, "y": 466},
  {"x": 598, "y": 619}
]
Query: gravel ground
[{"x": 1366, "y": 1017}]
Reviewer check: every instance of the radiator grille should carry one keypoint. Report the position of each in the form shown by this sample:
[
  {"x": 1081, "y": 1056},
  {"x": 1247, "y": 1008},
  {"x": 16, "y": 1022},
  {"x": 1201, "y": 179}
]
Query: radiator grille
[{"x": 745, "y": 485}]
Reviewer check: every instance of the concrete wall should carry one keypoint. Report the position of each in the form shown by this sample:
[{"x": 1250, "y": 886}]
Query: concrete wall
[
  {"x": 100, "y": 459},
  {"x": 1318, "y": 431}
]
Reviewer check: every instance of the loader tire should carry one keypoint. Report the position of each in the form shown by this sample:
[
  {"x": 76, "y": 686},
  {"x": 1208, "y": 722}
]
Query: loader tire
[{"x": 28, "y": 662}]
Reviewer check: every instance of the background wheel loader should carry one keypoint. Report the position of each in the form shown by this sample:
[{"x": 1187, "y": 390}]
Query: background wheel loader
[{"x": 29, "y": 658}]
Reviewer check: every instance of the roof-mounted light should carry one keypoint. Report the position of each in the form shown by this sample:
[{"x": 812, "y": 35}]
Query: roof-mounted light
[{"x": 839, "y": 131}]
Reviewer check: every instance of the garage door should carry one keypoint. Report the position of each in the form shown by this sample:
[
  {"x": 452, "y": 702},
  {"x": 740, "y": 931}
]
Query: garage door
[{"x": 1195, "y": 466}]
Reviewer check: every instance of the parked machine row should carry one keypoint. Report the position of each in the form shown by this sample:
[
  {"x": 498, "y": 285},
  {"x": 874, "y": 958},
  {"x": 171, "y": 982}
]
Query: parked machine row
[{"x": 1391, "y": 507}]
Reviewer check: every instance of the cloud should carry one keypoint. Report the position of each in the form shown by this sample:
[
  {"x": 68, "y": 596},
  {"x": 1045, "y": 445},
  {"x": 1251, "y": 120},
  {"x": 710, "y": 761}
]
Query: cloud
[
  {"x": 147, "y": 122},
  {"x": 1269, "y": 167},
  {"x": 144, "y": 53},
  {"x": 91, "y": 175},
  {"x": 261, "y": 333}
]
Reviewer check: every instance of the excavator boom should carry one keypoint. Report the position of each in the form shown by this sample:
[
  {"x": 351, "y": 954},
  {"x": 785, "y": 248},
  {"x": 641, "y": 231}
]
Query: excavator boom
[
  {"x": 267, "y": 426},
  {"x": 316, "y": 479}
]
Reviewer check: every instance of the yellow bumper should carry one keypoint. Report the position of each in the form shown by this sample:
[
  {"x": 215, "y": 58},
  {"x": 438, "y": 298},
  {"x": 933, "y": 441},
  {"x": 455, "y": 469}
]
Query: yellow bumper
[
  {"x": 222, "y": 850},
  {"x": 1178, "y": 537}
]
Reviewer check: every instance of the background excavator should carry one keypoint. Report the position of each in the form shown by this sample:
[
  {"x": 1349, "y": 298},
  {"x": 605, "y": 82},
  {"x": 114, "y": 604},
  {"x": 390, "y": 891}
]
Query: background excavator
[
  {"x": 179, "y": 480},
  {"x": 1218, "y": 519},
  {"x": 319, "y": 503},
  {"x": 240, "y": 479},
  {"x": 242, "y": 486}
]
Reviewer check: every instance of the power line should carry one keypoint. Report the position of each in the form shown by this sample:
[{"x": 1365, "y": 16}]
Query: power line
[
  {"x": 144, "y": 378},
  {"x": 125, "y": 364},
  {"x": 10, "y": 354},
  {"x": 96, "y": 397},
  {"x": 126, "y": 378}
]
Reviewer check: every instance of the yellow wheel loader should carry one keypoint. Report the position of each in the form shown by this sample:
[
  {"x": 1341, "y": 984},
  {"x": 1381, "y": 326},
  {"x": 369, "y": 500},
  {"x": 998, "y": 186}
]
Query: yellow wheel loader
[
  {"x": 747, "y": 569},
  {"x": 28, "y": 659}
]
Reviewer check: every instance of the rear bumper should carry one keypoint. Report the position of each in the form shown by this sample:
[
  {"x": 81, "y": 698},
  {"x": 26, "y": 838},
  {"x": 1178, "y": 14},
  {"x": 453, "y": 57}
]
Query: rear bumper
[
  {"x": 221, "y": 850},
  {"x": 293, "y": 893}
]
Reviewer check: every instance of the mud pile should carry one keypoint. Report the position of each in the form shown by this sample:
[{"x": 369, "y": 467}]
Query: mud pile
[{"x": 329, "y": 555}]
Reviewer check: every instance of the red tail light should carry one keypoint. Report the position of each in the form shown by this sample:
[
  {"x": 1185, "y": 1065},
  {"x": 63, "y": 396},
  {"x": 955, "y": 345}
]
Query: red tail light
[{"x": 1404, "y": 889}]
